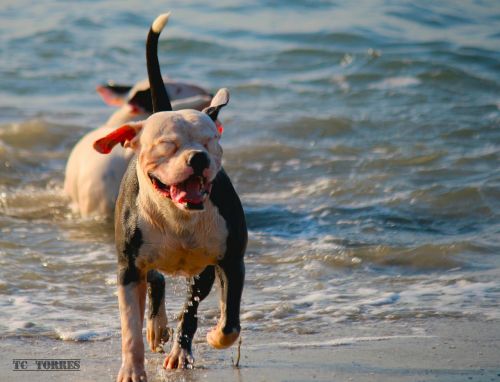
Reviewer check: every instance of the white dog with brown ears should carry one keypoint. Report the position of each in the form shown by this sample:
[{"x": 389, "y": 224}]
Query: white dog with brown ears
[{"x": 176, "y": 213}]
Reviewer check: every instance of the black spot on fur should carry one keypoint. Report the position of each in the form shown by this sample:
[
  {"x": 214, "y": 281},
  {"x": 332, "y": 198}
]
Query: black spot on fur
[
  {"x": 198, "y": 288},
  {"x": 156, "y": 292},
  {"x": 128, "y": 236}
]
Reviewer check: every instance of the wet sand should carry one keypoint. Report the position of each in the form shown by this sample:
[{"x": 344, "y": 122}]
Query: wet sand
[{"x": 443, "y": 350}]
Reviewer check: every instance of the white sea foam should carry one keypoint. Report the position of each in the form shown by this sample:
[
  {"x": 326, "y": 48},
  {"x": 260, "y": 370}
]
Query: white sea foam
[
  {"x": 332, "y": 342},
  {"x": 385, "y": 299},
  {"x": 341, "y": 82},
  {"x": 19, "y": 310},
  {"x": 394, "y": 83},
  {"x": 292, "y": 304},
  {"x": 84, "y": 335},
  {"x": 110, "y": 280}
]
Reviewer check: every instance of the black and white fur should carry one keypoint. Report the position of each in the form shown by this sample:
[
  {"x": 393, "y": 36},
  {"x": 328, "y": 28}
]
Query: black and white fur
[{"x": 204, "y": 238}]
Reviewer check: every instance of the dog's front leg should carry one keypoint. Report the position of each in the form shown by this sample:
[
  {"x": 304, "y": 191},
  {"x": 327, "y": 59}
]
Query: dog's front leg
[
  {"x": 131, "y": 299},
  {"x": 231, "y": 275},
  {"x": 199, "y": 287},
  {"x": 157, "y": 331}
]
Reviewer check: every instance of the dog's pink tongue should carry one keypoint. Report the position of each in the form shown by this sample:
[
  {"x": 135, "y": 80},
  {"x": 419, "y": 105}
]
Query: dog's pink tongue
[{"x": 187, "y": 192}]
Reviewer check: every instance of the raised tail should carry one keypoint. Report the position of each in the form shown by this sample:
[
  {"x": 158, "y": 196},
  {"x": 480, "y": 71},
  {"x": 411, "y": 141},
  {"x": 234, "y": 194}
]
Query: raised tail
[{"x": 159, "y": 95}]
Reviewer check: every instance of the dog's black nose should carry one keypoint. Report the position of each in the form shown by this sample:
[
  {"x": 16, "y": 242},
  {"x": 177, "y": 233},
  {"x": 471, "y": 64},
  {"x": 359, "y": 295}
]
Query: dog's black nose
[{"x": 199, "y": 161}]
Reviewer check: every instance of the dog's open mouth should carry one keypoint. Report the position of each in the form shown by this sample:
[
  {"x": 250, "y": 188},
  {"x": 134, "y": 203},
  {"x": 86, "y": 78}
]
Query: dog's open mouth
[{"x": 190, "y": 194}]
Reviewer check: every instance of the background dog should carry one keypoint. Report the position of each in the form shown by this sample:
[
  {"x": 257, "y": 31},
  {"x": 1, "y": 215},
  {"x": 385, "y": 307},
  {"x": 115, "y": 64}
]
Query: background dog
[{"x": 92, "y": 181}]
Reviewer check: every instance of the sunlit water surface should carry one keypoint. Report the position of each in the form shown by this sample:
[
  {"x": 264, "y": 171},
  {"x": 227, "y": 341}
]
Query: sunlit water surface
[{"x": 363, "y": 140}]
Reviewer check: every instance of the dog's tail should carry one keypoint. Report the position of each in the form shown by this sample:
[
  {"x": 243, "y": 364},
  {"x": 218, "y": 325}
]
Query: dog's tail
[{"x": 159, "y": 95}]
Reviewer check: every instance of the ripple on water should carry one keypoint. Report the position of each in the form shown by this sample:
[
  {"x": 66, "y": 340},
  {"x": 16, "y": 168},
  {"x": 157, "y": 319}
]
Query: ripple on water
[{"x": 363, "y": 150}]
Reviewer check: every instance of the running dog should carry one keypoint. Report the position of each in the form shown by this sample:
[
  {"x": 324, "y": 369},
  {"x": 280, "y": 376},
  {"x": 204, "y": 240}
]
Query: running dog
[{"x": 176, "y": 213}]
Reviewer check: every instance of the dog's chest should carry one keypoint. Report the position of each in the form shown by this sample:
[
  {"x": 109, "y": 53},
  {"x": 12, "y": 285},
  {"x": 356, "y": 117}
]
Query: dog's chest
[{"x": 188, "y": 250}]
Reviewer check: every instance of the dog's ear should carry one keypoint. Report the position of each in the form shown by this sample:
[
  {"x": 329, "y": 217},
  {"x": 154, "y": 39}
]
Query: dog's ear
[
  {"x": 141, "y": 101},
  {"x": 127, "y": 135},
  {"x": 221, "y": 99},
  {"x": 113, "y": 94}
]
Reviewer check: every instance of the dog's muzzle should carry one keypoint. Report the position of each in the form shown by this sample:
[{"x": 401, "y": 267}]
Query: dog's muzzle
[{"x": 191, "y": 193}]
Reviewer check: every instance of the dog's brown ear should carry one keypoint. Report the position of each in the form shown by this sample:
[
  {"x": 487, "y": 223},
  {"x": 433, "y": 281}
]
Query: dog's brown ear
[
  {"x": 221, "y": 99},
  {"x": 126, "y": 135}
]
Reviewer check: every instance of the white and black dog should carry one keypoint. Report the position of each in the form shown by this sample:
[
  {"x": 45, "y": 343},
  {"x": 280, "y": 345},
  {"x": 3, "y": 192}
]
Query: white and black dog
[
  {"x": 92, "y": 181},
  {"x": 176, "y": 213}
]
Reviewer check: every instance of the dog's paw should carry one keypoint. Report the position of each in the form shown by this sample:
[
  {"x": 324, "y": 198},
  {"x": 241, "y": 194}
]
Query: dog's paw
[
  {"x": 178, "y": 358},
  {"x": 131, "y": 373},
  {"x": 217, "y": 339},
  {"x": 157, "y": 333}
]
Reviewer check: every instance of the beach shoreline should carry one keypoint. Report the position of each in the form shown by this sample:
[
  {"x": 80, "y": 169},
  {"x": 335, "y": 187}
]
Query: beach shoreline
[{"x": 444, "y": 350}]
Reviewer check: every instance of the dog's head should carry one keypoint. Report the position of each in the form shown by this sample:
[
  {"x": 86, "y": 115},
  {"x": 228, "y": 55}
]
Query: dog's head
[{"x": 177, "y": 151}]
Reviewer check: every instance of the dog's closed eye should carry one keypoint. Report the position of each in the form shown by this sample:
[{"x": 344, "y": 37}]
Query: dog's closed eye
[{"x": 165, "y": 148}]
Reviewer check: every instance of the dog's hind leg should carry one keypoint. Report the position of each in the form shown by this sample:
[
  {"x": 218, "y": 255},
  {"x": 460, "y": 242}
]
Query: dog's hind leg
[
  {"x": 199, "y": 287},
  {"x": 157, "y": 331}
]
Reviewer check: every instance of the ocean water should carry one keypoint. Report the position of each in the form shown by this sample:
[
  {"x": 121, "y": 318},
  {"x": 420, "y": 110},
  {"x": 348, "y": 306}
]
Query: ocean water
[{"x": 363, "y": 138}]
